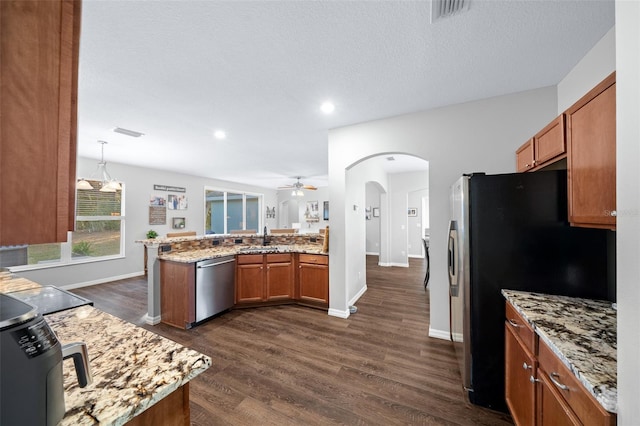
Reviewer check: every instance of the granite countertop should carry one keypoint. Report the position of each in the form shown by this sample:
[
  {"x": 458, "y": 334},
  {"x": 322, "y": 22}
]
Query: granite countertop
[
  {"x": 582, "y": 332},
  {"x": 132, "y": 368},
  {"x": 213, "y": 252}
]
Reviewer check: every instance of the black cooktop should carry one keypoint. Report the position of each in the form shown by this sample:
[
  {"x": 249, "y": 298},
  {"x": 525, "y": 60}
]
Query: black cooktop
[{"x": 50, "y": 299}]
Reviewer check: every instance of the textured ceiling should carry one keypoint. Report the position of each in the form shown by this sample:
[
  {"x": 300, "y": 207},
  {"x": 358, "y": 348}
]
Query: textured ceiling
[{"x": 178, "y": 70}]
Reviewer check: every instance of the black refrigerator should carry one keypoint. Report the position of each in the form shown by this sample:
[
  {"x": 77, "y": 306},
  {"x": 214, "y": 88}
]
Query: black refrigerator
[{"x": 510, "y": 231}]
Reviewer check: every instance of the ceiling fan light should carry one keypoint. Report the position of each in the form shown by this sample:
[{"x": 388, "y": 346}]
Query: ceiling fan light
[{"x": 107, "y": 188}]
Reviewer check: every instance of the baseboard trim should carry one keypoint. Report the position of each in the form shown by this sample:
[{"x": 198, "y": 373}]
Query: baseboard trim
[
  {"x": 152, "y": 320},
  {"x": 439, "y": 334},
  {"x": 401, "y": 265},
  {"x": 416, "y": 256},
  {"x": 372, "y": 253},
  {"x": 385, "y": 264},
  {"x": 102, "y": 280},
  {"x": 355, "y": 298},
  {"x": 338, "y": 313}
]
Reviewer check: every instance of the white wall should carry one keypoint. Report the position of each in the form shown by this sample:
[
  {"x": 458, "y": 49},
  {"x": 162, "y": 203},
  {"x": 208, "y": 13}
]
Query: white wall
[
  {"x": 138, "y": 188},
  {"x": 475, "y": 136},
  {"x": 373, "y": 190},
  {"x": 628, "y": 205},
  {"x": 355, "y": 266},
  {"x": 406, "y": 238},
  {"x": 598, "y": 63},
  {"x": 297, "y": 207}
]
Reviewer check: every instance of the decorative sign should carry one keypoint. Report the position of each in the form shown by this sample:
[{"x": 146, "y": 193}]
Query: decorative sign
[
  {"x": 169, "y": 188},
  {"x": 157, "y": 215}
]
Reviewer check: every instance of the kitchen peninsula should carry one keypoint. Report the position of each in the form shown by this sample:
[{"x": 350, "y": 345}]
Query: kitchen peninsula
[
  {"x": 268, "y": 269},
  {"x": 139, "y": 377}
]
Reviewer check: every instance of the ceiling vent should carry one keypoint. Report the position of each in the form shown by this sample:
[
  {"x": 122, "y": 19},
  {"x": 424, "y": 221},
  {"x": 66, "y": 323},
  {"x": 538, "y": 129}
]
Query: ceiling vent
[
  {"x": 128, "y": 132},
  {"x": 445, "y": 8}
]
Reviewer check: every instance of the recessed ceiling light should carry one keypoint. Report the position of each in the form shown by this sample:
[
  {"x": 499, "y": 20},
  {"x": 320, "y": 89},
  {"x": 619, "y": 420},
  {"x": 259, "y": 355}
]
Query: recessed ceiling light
[
  {"x": 327, "y": 107},
  {"x": 391, "y": 158},
  {"x": 219, "y": 134},
  {"x": 128, "y": 132}
]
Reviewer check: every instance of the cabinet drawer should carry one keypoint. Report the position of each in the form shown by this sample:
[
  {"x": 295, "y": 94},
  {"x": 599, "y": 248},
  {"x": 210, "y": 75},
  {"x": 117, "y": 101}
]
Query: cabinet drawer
[
  {"x": 245, "y": 259},
  {"x": 314, "y": 258},
  {"x": 279, "y": 257},
  {"x": 520, "y": 327},
  {"x": 583, "y": 404}
]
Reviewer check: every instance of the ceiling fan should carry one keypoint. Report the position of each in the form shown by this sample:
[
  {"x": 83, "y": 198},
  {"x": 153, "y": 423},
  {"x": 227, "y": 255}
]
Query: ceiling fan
[{"x": 298, "y": 187}]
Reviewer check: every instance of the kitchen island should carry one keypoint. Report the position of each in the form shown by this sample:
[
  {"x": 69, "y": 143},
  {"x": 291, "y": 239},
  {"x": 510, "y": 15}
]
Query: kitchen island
[
  {"x": 581, "y": 334},
  {"x": 139, "y": 377}
]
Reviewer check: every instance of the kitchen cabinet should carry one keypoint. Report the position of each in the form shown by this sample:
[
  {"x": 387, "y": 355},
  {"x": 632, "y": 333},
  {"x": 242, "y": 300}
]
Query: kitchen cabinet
[
  {"x": 39, "y": 41},
  {"x": 177, "y": 293},
  {"x": 546, "y": 147},
  {"x": 524, "y": 157},
  {"x": 591, "y": 145},
  {"x": 520, "y": 366},
  {"x": 264, "y": 278},
  {"x": 539, "y": 388},
  {"x": 313, "y": 280}
]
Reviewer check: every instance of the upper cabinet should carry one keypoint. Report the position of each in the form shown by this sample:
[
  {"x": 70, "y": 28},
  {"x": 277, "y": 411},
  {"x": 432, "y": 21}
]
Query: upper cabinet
[
  {"x": 586, "y": 136},
  {"x": 591, "y": 142},
  {"x": 39, "y": 41},
  {"x": 546, "y": 147}
]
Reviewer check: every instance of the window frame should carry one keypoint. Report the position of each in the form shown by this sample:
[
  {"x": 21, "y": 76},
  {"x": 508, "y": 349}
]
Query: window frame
[
  {"x": 66, "y": 248},
  {"x": 226, "y": 191}
]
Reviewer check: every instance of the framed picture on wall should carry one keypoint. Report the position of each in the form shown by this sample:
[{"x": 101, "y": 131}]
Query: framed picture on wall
[{"x": 413, "y": 211}]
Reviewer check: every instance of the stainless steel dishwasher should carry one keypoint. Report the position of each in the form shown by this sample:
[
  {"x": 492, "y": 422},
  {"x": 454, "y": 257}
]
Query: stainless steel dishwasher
[{"x": 215, "y": 283}]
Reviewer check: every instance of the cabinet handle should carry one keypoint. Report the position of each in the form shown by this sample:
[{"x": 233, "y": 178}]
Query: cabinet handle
[
  {"x": 614, "y": 213},
  {"x": 533, "y": 379},
  {"x": 526, "y": 366},
  {"x": 513, "y": 323},
  {"x": 557, "y": 383}
]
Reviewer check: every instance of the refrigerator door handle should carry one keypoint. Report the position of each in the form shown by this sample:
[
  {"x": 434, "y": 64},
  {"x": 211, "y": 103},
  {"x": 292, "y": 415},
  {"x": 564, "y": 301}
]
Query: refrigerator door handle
[{"x": 452, "y": 256}]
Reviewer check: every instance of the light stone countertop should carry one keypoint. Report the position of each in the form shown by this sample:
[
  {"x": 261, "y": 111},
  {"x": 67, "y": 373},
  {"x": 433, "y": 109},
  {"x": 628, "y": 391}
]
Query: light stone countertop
[
  {"x": 581, "y": 332},
  {"x": 132, "y": 368},
  {"x": 213, "y": 252}
]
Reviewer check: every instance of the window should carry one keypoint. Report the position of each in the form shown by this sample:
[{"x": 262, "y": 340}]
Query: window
[
  {"x": 226, "y": 211},
  {"x": 98, "y": 234}
]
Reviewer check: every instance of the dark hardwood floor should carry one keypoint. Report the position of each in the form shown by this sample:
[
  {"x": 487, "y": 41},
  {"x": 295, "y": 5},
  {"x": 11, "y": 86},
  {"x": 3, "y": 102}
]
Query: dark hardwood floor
[{"x": 292, "y": 365}]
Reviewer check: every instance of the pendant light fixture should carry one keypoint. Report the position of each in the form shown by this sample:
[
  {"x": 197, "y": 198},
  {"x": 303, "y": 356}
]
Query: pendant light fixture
[{"x": 108, "y": 183}]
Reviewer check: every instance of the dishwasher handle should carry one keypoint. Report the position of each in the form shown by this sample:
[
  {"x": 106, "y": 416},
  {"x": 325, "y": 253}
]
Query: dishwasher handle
[{"x": 209, "y": 265}]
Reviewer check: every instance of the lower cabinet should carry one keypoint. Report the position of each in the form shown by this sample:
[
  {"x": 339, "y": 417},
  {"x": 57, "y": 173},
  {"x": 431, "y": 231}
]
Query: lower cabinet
[
  {"x": 177, "y": 293},
  {"x": 271, "y": 278},
  {"x": 264, "y": 278},
  {"x": 539, "y": 389},
  {"x": 313, "y": 279},
  {"x": 520, "y": 366}
]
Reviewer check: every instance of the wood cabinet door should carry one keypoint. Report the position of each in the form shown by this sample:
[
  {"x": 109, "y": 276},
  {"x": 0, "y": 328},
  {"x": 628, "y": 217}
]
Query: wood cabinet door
[
  {"x": 519, "y": 390},
  {"x": 591, "y": 140},
  {"x": 177, "y": 293},
  {"x": 39, "y": 41},
  {"x": 524, "y": 157},
  {"x": 313, "y": 281},
  {"x": 552, "y": 409},
  {"x": 279, "y": 280},
  {"x": 250, "y": 283},
  {"x": 550, "y": 141}
]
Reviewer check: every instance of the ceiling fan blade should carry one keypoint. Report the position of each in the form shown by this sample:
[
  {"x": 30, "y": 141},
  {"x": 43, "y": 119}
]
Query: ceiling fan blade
[{"x": 309, "y": 187}]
